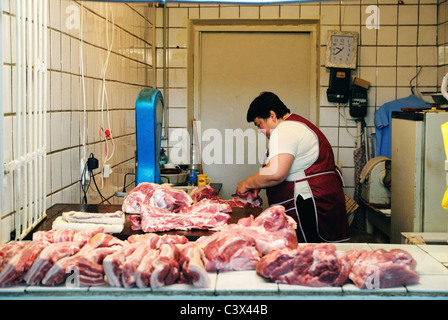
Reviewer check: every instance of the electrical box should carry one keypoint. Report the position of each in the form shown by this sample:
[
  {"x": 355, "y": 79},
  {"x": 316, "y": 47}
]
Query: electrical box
[
  {"x": 358, "y": 102},
  {"x": 339, "y": 86}
]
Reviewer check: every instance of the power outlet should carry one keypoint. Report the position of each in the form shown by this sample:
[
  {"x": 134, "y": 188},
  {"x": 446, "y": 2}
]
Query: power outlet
[
  {"x": 85, "y": 174},
  {"x": 106, "y": 171}
]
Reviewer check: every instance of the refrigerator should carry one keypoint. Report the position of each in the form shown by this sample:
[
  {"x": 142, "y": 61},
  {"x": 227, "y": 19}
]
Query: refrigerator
[{"x": 418, "y": 179}]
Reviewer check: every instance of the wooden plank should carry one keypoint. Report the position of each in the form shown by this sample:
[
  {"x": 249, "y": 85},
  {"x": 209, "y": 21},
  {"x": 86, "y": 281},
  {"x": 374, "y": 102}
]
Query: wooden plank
[{"x": 57, "y": 210}]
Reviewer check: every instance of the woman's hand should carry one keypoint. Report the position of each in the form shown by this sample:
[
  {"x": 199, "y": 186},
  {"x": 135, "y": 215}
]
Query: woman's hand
[{"x": 241, "y": 188}]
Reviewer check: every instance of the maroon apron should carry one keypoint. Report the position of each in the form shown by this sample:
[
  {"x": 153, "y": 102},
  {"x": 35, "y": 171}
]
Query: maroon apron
[{"x": 328, "y": 213}]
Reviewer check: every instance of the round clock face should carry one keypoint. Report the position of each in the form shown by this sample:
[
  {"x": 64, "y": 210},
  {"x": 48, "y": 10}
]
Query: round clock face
[{"x": 341, "y": 49}]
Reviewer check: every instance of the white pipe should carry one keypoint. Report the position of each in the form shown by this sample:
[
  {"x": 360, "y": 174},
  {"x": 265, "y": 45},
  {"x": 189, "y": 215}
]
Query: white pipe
[
  {"x": 28, "y": 114},
  {"x": 44, "y": 146},
  {"x": 39, "y": 98},
  {"x": 41, "y": 32},
  {"x": 24, "y": 189},
  {"x": 165, "y": 72},
  {"x": 35, "y": 113},
  {"x": 18, "y": 195}
]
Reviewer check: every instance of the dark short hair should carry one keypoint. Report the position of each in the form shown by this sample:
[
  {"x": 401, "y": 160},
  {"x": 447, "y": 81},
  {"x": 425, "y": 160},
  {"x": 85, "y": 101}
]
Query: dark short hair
[{"x": 263, "y": 104}]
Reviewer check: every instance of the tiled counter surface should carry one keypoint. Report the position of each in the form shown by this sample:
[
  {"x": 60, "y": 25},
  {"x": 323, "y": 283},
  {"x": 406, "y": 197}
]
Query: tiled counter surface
[{"x": 432, "y": 267}]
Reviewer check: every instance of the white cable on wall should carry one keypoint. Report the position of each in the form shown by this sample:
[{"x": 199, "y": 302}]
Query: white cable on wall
[
  {"x": 106, "y": 133},
  {"x": 104, "y": 98}
]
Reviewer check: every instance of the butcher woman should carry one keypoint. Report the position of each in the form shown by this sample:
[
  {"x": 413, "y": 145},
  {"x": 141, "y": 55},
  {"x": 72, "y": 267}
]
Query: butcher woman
[{"x": 299, "y": 172}]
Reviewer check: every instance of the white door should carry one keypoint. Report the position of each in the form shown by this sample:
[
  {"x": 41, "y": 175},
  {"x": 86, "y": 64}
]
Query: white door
[{"x": 234, "y": 68}]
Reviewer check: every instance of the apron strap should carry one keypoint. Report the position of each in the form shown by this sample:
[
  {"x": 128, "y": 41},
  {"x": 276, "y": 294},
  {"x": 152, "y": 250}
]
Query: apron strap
[
  {"x": 314, "y": 175},
  {"x": 336, "y": 171}
]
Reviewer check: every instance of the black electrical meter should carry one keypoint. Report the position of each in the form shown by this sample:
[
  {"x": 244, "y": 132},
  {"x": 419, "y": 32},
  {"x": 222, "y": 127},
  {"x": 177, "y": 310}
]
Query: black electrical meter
[
  {"x": 339, "y": 87},
  {"x": 358, "y": 102}
]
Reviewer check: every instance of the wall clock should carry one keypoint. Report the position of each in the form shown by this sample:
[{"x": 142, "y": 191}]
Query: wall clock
[{"x": 342, "y": 49}]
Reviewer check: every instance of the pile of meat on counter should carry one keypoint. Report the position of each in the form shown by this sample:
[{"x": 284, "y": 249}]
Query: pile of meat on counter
[
  {"x": 158, "y": 207},
  {"x": 96, "y": 258},
  {"x": 266, "y": 244}
]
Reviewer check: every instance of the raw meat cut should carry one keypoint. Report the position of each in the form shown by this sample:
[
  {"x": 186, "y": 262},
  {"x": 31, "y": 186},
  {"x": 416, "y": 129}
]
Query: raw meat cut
[
  {"x": 205, "y": 214},
  {"x": 274, "y": 228},
  {"x": 43, "y": 235},
  {"x": 322, "y": 265},
  {"x": 164, "y": 197},
  {"x": 19, "y": 265},
  {"x": 315, "y": 265},
  {"x": 145, "y": 269},
  {"x": 48, "y": 258},
  {"x": 155, "y": 261},
  {"x": 265, "y": 241},
  {"x": 54, "y": 235},
  {"x": 9, "y": 250},
  {"x": 230, "y": 252},
  {"x": 63, "y": 235},
  {"x": 135, "y": 221},
  {"x": 165, "y": 266},
  {"x": 140, "y": 194},
  {"x": 204, "y": 192},
  {"x": 157, "y": 205},
  {"x": 160, "y": 196},
  {"x": 132, "y": 265},
  {"x": 104, "y": 240},
  {"x": 155, "y": 219},
  {"x": 159, "y": 267},
  {"x": 174, "y": 239},
  {"x": 207, "y": 206},
  {"x": 89, "y": 272},
  {"x": 113, "y": 264},
  {"x": 240, "y": 246},
  {"x": 274, "y": 219},
  {"x": 86, "y": 264},
  {"x": 191, "y": 263},
  {"x": 132, "y": 262},
  {"x": 170, "y": 199},
  {"x": 82, "y": 237},
  {"x": 157, "y": 240},
  {"x": 382, "y": 268},
  {"x": 207, "y": 192},
  {"x": 64, "y": 266},
  {"x": 90, "y": 265},
  {"x": 247, "y": 201}
]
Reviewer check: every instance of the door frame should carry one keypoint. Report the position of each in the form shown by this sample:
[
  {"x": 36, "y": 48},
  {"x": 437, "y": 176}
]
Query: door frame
[{"x": 197, "y": 27}]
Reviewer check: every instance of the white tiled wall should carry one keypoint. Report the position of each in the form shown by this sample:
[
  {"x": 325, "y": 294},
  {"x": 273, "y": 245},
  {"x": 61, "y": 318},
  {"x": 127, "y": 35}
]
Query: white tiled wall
[
  {"x": 389, "y": 57},
  {"x": 130, "y": 69}
]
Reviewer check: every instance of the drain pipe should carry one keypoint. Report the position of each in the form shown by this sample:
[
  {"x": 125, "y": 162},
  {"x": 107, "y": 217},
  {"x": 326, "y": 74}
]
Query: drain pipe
[
  {"x": 18, "y": 144},
  {"x": 165, "y": 72}
]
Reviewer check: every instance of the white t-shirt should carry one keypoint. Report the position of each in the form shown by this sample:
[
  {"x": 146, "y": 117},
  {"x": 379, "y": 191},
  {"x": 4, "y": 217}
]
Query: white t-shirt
[{"x": 299, "y": 140}]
